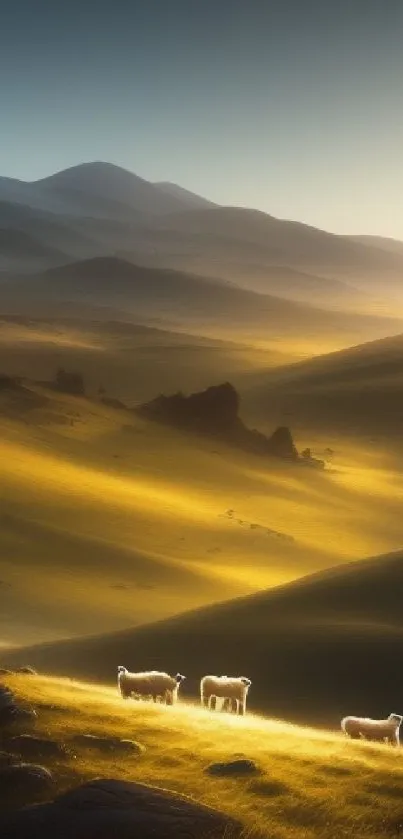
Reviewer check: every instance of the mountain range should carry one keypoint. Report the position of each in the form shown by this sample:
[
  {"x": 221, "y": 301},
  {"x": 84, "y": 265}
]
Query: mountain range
[{"x": 98, "y": 209}]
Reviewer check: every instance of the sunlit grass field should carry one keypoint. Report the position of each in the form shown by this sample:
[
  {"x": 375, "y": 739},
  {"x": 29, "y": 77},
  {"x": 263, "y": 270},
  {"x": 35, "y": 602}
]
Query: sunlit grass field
[
  {"x": 310, "y": 783},
  {"x": 109, "y": 521}
]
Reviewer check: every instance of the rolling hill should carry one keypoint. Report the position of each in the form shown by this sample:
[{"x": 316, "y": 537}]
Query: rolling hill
[
  {"x": 132, "y": 362},
  {"x": 358, "y": 390},
  {"x": 302, "y": 781},
  {"x": 152, "y": 521},
  {"x": 315, "y": 649},
  {"x": 190, "y": 302}
]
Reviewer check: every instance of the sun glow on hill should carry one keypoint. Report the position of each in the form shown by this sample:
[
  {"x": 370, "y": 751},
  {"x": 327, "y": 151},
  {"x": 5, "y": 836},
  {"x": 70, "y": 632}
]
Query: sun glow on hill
[
  {"x": 154, "y": 522},
  {"x": 309, "y": 783}
]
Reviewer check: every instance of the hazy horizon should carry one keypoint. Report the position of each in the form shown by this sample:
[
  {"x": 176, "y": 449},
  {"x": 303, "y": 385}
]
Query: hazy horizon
[{"x": 292, "y": 110}]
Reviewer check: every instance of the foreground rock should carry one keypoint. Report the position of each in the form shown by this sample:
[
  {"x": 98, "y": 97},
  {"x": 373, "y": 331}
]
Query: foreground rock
[
  {"x": 107, "y": 744},
  {"x": 29, "y": 746},
  {"x": 109, "y": 808},
  {"x": 22, "y": 784},
  {"x": 240, "y": 766},
  {"x": 11, "y": 713},
  {"x": 6, "y": 759}
]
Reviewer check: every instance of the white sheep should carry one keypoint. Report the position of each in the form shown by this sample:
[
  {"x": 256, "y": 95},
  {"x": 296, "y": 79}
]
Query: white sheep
[
  {"x": 368, "y": 729},
  {"x": 228, "y": 688},
  {"x": 152, "y": 683}
]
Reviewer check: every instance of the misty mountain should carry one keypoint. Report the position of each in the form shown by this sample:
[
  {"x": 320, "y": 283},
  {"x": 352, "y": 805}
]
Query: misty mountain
[
  {"x": 59, "y": 239},
  {"x": 287, "y": 242},
  {"x": 382, "y": 242},
  {"x": 106, "y": 210},
  {"x": 19, "y": 249},
  {"x": 97, "y": 189},
  {"x": 185, "y": 300},
  {"x": 193, "y": 201}
]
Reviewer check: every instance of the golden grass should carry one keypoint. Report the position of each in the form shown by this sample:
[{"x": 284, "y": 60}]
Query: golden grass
[
  {"x": 311, "y": 784},
  {"x": 131, "y": 362},
  {"x": 137, "y": 515}
]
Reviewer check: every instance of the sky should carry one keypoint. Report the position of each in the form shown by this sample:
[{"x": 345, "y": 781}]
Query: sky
[{"x": 294, "y": 107}]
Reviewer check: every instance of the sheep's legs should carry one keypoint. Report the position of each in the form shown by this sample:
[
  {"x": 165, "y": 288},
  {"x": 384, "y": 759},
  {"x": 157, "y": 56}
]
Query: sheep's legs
[{"x": 213, "y": 703}]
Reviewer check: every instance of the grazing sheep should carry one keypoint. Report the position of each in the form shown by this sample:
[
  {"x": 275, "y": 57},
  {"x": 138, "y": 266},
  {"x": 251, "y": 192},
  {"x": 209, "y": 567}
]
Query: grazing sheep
[
  {"x": 380, "y": 730},
  {"x": 150, "y": 683},
  {"x": 229, "y": 688}
]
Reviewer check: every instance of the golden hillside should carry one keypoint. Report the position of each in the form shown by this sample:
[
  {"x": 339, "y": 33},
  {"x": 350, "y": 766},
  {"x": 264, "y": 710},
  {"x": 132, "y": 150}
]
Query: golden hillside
[{"x": 309, "y": 783}]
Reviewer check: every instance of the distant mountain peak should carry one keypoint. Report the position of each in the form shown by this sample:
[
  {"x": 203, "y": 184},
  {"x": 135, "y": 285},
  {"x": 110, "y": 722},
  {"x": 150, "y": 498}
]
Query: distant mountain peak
[
  {"x": 112, "y": 183},
  {"x": 194, "y": 201}
]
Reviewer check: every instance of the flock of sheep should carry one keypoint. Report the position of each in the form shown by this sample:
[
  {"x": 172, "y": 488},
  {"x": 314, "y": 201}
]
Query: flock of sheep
[
  {"x": 163, "y": 687},
  {"x": 232, "y": 691}
]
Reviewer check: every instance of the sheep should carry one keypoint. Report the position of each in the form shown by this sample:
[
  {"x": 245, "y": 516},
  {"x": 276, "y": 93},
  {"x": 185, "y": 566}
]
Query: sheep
[
  {"x": 228, "y": 688},
  {"x": 150, "y": 683},
  {"x": 368, "y": 729}
]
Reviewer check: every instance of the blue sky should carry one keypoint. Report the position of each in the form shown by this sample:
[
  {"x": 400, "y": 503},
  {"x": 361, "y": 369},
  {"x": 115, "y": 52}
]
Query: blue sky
[{"x": 294, "y": 107}]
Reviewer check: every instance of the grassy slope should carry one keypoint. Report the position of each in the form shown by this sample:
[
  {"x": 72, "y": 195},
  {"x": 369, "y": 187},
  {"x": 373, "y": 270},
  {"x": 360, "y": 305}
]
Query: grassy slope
[
  {"x": 133, "y": 362},
  {"x": 98, "y": 500},
  {"x": 315, "y": 649},
  {"x": 312, "y": 783},
  {"x": 358, "y": 389}
]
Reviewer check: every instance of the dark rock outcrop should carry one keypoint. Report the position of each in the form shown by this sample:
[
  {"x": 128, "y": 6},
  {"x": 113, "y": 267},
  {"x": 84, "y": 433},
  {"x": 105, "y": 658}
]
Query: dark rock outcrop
[
  {"x": 105, "y": 808},
  {"x": 215, "y": 412}
]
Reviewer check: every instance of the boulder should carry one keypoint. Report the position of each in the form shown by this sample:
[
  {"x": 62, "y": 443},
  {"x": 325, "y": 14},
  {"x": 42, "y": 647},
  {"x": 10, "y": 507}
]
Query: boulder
[
  {"x": 29, "y": 746},
  {"x": 241, "y": 766},
  {"x": 11, "y": 713},
  {"x": 107, "y": 744},
  {"x": 23, "y": 783},
  {"x": 6, "y": 759},
  {"x": 106, "y": 808}
]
